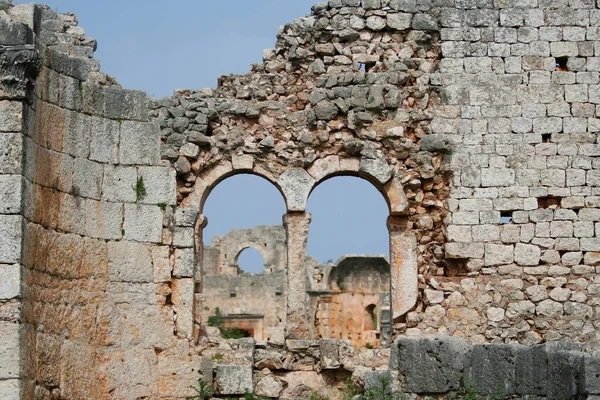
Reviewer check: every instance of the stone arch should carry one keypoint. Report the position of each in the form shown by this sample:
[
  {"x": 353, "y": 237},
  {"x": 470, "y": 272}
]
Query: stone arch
[
  {"x": 375, "y": 171},
  {"x": 210, "y": 178},
  {"x": 256, "y": 246}
]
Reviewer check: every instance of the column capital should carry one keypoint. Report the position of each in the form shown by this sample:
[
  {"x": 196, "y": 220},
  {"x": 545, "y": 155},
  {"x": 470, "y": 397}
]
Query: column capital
[{"x": 19, "y": 65}]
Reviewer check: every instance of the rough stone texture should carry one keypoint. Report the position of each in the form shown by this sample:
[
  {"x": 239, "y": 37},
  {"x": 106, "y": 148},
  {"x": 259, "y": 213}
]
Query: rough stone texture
[
  {"x": 430, "y": 365},
  {"x": 234, "y": 379},
  {"x": 467, "y": 110}
]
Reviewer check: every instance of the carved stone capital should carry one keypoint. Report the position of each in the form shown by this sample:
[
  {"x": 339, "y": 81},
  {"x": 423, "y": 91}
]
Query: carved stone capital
[{"x": 18, "y": 65}]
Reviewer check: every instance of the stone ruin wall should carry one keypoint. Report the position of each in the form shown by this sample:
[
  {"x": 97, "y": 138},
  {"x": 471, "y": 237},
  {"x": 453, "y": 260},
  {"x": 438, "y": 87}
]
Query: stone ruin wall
[
  {"x": 339, "y": 294},
  {"x": 464, "y": 113}
]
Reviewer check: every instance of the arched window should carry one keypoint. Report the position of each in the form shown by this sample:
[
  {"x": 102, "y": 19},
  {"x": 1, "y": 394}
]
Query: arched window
[
  {"x": 251, "y": 261},
  {"x": 243, "y": 260},
  {"x": 349, "y": 266}
]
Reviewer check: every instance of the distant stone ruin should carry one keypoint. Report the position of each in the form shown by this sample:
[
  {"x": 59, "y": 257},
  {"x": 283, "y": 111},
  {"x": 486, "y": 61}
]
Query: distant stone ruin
[
  {"x": 476, "y": 120},
  {"x": 348, "y": 300}
]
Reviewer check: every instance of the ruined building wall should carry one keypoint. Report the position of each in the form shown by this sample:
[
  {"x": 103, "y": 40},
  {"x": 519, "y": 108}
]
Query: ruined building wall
[{"x": 475, "y": 119}]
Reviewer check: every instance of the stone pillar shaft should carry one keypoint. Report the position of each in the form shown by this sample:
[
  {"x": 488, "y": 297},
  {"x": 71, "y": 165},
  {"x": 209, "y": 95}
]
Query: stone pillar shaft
[
  {"x": 403, "y": 262},
  {"x": 297, "y": 324}
]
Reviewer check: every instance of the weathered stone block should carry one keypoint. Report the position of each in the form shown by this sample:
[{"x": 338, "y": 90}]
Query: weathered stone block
[
  {"x": 119, "y": 184},
  {"x": 330, "y": 354},
  {"x": 296, "y": 185},
  {"x": 564, "y": 370},
  {"x": 498, "y": 254},
  {"x": 10, "y": 281},
  {"x": 11, "y": 154},
  {"x": 11, "y": 116},
  {"x": 464, "y": 250},
  {"x": 103, "y": 220},
  {"x": 10, "y": 389},
  {"x": 129, "y": 262},
  {"x": 234, "y": 379},
  {"x": 87, "y": 179},
  {"x": 589, "y": 381},
  {"x": 186, "y": 217},
  {"x": 123, "y": 104},
  {"x": 430, "y": 364},
  {"x": 493, "y": 368},
  {"x": 531, "y": 371},
  {"x": 11, "y": 234},
  {"x": 160, "y": 184},
  {"x": 143, "y": 223},
  {"x": 10, "y": 355},
  {"x": 104, "y": 140},
  {"x": 527, "y": 254},
  {"x": 184, "y": 263},
  {"x": 140, "y": 143},
  {"x": 13, "y": 33},
  {"x": 10, "y": 194}
]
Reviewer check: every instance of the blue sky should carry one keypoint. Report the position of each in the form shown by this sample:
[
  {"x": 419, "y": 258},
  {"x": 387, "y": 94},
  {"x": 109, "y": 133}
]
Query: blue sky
[{"x": 161, "y": 46}]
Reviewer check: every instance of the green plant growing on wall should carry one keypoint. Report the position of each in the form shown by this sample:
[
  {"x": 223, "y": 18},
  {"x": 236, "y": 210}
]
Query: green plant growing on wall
[
  {"x": 140, "y": 189},
  {"x": 203, "y": 389},
  {"x": 382, "y": 391}
]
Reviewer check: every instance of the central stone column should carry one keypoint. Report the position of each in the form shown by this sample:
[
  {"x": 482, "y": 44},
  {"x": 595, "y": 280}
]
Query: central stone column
[
  {"x": 297, "y": 325},
  {"x": 403, "y": 262}
]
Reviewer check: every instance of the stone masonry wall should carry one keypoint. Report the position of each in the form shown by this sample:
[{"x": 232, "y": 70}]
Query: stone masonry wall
[{"x": 476, "y": 119}]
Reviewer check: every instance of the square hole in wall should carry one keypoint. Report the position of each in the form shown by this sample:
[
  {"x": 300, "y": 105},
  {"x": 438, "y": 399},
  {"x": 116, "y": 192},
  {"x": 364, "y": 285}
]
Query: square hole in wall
[
  {"x": 547, "y": 138},
  {"x": 561, "y": 63},
  {"x": 551, "y": 203},
  {"x": 506, "y": 217}
]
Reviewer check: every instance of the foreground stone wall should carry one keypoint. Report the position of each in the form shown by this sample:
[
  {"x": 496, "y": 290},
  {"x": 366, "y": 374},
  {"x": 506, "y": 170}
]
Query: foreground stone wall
[{"x": 443, "y": 365}]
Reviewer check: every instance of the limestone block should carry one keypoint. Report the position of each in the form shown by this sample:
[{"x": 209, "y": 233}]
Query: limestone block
[
  {"x": 564, "y": 368},
  {"x": 11, "y": 233},
  {"x": 591, "y": 372},
  {"x": 78, "y": 366},
  {"x": 76, "y": 134},
  {"x": 296, "y": 185},
  {"x": 121, "y": 104},
  {"x": 399, "y": 21},
  {"x": 103, "y": 220},
  {"x": 464, "y": 250},
  {"x": 184, "y": 263},
  {"x": 104, "y": 140},
  {"x": 549, "y": 308},
  {"x": 183, "y": 237},
  {"x": 378, "y": 169},
  {"x": 531, "y": 370},
  {"x": 183, "y": 301},
  {"x": 130, "y": 374},
  {"x": 87, "y": 179},
  {"x": 129, "y": 262},
  {"x": 439, "y": 372},
  {"x": 493, "y": 367},
  {"x": 10, "y": 360},
  {"x": 140, "y": 143},
  {"x": 143, "y": 223},
  {"x": 11, "y": 154},
  {"x": 119, "y": 184},
  {"x": 161, "y": 263},
  {"x": 330, "y": 354},
  {"x": 242, "y": 162},
  {"x": 498, "y": 254},
  {"x": 527, "y": 254},
  {"x": 396, "y": 197},
  {"x": 11, "y": 115},
  {"x": 10, "y": 389},
  {"x": 10, "y": 281},
  {"x": 491, "y": 177},
  {"x": 269, "y": 387},
  {"x": 160, "y": 184},
  {"x": 234, "y": 379},
  {"x": 10, "y": 194},
  {"x": 324, "y": 167},
  {"x": 186, "y": 217}
]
